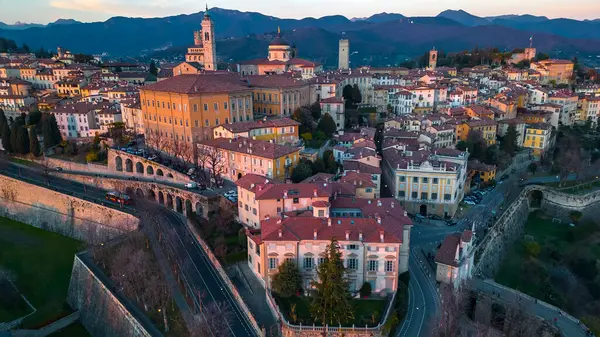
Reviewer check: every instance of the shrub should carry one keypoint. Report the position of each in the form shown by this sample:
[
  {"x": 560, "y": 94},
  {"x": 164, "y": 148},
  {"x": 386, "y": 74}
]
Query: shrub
[
  {"x": 533, "y": 248},
  {"x": 365, "y": 290},
  {"x": 91, "y": 156}
]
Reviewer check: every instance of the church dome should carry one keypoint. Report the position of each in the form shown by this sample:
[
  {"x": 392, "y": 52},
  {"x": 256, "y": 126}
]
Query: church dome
[{"x": 278, "y": 40}]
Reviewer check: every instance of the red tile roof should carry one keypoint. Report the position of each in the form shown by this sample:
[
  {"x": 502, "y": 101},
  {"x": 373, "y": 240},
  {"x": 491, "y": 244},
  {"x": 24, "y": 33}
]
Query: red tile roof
[
  {"x": 201, "y": 84},
  {"x": 249, "y": 180},
  {"x": 257, "y": 148},
  {"x": 260, "y": 124},
  {"x": 359, "y": 180},
  {"x": 447, "y": 251},
  {"x": 289, "y": 191}
]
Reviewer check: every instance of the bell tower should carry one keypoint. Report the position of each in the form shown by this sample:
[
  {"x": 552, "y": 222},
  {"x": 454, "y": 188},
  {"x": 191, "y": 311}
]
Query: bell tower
[
  {"x": 208, "y": 41},
  {"x": 432, "y": 59}
]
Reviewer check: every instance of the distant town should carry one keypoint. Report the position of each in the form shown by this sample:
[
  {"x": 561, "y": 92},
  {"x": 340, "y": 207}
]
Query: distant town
[{"x": 451, "y": 195}]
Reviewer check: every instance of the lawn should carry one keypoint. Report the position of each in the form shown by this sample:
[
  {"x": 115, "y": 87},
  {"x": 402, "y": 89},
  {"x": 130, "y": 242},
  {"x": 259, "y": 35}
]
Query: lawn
[
  {"x": 41, "y": 262},
  {"x": 73, "y": 330},
  {"x": 21, "y": 161},
  {"x": 556, "y": 263},
  {"x": 367, "y": 311}
]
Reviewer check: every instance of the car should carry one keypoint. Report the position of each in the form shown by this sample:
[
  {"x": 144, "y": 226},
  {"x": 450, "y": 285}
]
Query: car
[
  {"x": 451, "y": 223},
  {"x": 58, "y": 168},
  {"x": 191, "y": 185},
  {"x": 419, "y": 216},
  {"x": 140, "y": 152},
  {"x": 191, "y": 171},
  {"x": 124, "y": 149},
  {"x": 202, "y": 187},
  {"x": 131, "y": 151},
  {"x": 468, "y": 202},
  {"x": 152, "y": 157},
  {"x": 435, "y": 217},
  {"x": 131, "y": 143}
]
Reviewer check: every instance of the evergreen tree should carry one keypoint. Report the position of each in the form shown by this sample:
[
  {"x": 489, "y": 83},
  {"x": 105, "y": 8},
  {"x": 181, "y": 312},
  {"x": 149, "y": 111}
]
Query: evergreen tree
[
  {"x": 327, "y": 125},
  {"x": 14, "y": 134},
  {"x": 34, "y": 144},
  {"x": 509, "y": 143},
  {"x": 302, "y": 171},
  {"x": 356, "y": 95},
  {"x": 288, "y": 279},
  {"x": 153, "y": 69},
  {"x": 332, "y": 300},
  {"x": 6, "y": 138},
  {"x": 50, "y": 132},
  {"x": 2, "y": 121},
  {"x": 347, "y": 94},
  {"x": 22, "y": 145},
  {"x": 315, "y": 110}
]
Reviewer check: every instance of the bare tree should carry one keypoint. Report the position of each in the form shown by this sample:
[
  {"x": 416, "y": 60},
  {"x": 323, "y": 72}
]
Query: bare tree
[
  {"x": 157, "y": 140},
  {"x": 213, "y": 320},
  {"x": 188, "y": 152},
  {"x": 569, "y": 156},
  {"x": 520, "y": 323},
  {"x": 452, "y": 310},
  {"x": 214, "y": 161}
]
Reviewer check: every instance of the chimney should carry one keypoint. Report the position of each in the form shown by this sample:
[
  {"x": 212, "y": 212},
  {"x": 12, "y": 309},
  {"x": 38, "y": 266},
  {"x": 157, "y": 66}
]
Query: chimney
[
  {"x": 392, "y": 204},
  {"x": 381, "y": 234},
  {"x": 347, "y": 235},
  {"x": 280, "y": 232},
  {"x": 285, "y": 194},
  {"x": 360, "y": 237},
  {"x": 315, "y": 192},
  {"x": 315, "y": 234},
  {"x": 360, "y": 183},
  {"x": 379, "y": 219},
  {"x": 329, "y": 222},
  {"x": 379, "y": 204}
]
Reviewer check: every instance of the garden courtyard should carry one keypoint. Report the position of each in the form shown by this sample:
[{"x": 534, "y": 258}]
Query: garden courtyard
[{"x": 557, "y": 263}]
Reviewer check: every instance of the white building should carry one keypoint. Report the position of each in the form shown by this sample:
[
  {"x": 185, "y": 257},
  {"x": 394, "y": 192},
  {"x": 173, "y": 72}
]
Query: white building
[
  {"x": 335, "y": 107},
  {"x": 84, "y": 119},
  {"x": 455, "y": 259}
]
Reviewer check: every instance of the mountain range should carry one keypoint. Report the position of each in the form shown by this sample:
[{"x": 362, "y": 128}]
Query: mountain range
[{"x": 385, "y": 38}]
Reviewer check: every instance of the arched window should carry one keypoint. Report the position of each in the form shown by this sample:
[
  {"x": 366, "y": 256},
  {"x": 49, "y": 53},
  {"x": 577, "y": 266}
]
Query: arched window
[{"x": 206, "y": 36}]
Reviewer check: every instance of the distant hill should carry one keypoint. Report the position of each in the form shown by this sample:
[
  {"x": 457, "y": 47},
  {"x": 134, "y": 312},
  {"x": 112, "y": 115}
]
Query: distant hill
[
  {"x": 19, "y": 26},
  {"x": 385, "y": 38}
]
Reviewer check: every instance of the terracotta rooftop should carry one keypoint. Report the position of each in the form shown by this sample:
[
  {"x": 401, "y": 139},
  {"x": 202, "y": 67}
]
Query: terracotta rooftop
[
  {"x": 257, "y": 148},
  {"x": 359, "y": 180},
  {"x": 200, "y": 84},
  {"x": 252, "y": 125},
  {"x": 447, "y": 251}
]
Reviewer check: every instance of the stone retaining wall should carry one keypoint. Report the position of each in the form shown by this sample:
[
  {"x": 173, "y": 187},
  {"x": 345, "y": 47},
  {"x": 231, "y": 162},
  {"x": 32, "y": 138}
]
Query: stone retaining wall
[{"x": 64, "y": 214}]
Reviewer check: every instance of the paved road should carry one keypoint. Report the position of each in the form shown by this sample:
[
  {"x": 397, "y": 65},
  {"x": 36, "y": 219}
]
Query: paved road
[
  {"x": 199, "y": 270},
  {"x": 423, "y": 296}
]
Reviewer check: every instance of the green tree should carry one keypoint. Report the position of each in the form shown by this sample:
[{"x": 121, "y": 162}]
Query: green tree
[
  {"x": 50, "y": 132},
  {"x": 34, "y": 144},
  {"x": 22, "y": 140},
  {"x": 356, "y": 95},
  {"x": 476, "y": 145},
  {"x": 315, "y": 110},
  {"x": 330, "y": 163},
  {"x": 533, "y": 248},
  {"x": 153, "y": 69},
  {"x": 327, "y": 125},
  {"x": 3, "y": 121},
  {"x": 34, "y": 117},
  {"x": 14, "y": 135},
  {"x": 347, "y": 93},
  {"x": 532, "y": 168},
  {"x": 288, "y": 279},
  {"x": 302, "y": 171},
  {"x": 332, "y": 300},
  {"x": 462, "y": 145},
  {"x": 6, "y": 138},
  {"x": 509, "y": 143},
  {"x": 303, "y": 116}
]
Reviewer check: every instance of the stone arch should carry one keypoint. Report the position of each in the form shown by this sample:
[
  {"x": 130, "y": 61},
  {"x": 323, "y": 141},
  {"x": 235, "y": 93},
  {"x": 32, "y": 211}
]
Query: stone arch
[
  {"x": 119, "y": 163},
  {"x": 535, "y": 198},
  {"x": 151, "y": 195},
  {"x": 199, "y": 209},
  {"x": 128, "y": 190},
  {"x": 161, "y": 198},
  {"x": 169, "y": 201},
  {"x": 178, "y": 205},
  {"x": 169, "y": 175},
  {"x": 129, "y": 165},
  {"x": 139, "y": 168},
  {"x": 188, "y": 207},
  {"x": 149, "y": 170},
  {"x": 159, "y": 172},
  {"x": 423, "y": 210},
  {"x": 239, "y": 175},
  {"x": 139, "y": 192}
]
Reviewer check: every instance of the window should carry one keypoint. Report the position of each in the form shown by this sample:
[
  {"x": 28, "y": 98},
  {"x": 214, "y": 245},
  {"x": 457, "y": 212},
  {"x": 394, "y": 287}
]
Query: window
[
  {"x": 205, "y": 107},
  {"x": 415, "y": 179},
  {"x": 308, "y": 263},
  {"x": 224, "y": 105},
  {"x": 321, "y": 213},
  {"x": 435, "y": 180},
  {"x": 373, "y": 265},
  {"x": 425, "y": 180},
  {"x": 401, "y": 194},
  {"x": 389, "y": 266},
  {"x": 206, "y": 122},
  {"x": 434, "y": 196},
  {"x": 424, "y": 196},
  {"x": 447, "y": 197},
  {"x": 273, "y": 262},
  {"x": 352, "y": 264},
  {"x": 321, "y": 260},
  {"x": 415, "y": 195},
  {"x": 216, "y": 106},
  {"x": 402, "y": 179},
  {"x": 296, "y": 200},
  {"x": 369, "y": 190}
]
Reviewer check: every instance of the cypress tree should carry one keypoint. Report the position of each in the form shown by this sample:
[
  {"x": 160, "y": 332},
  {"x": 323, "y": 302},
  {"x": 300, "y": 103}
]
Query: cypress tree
[
  {"x": 6, "y": 138},
  {"x": 34, "y": 144},
  {"x": 22, "y": 144},
  {"x": 2, "y": 121},
  {"x": 50, "y": 132}
]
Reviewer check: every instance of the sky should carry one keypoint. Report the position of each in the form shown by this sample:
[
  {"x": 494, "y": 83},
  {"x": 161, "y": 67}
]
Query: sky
[{"x": 44, "y": 11}]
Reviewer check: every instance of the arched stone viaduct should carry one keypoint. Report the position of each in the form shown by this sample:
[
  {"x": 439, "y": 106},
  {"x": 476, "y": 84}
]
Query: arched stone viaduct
[
  {"x": 509, "y": 227},
  {"x": 124, "y": 163},
  {"x": 182, "y": 201}
]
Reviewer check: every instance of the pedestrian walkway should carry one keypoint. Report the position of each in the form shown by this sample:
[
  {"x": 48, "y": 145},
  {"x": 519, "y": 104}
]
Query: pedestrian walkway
[{"x": 567, "y": 324}]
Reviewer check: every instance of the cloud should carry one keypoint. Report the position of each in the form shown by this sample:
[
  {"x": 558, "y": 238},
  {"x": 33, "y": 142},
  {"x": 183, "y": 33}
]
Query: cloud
[{"x": 135, "y": 8}]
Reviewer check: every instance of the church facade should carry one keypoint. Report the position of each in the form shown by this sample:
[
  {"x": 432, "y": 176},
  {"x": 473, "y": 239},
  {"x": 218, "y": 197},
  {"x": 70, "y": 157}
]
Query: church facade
[
  {"x": 281, "y": 58},
  {"x": 203, "y": 54}
]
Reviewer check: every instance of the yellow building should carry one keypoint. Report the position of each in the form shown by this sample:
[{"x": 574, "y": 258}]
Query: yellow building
[
  {"x": 278, "y": 95},
  {"x": 487, "y": 128},
  {"x": 556, "y": 71},
  {"x": 279, "y": 130},
  {"x": 240, "y": 156},
  {"x": 538, "y": 137},
  {"x": 188, "y": 107},
  {"x": 486, "y": 173},
  {"x": 588, "y": 108}
]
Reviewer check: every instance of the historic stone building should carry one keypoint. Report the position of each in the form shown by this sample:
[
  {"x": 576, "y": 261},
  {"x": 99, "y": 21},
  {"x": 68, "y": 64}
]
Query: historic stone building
[{"x": 203, "y": 53}]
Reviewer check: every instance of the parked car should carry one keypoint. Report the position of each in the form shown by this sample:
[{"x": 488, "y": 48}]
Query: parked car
[
  {"x": 152, "y": 157},
  {"x": 191, "y": 185},
  {"x": 419, "y": 216},
  {"x": 451, "y": 223},
  {"x": 124, "y": 149},
  {"x": 140, "y": 152},
  {"x": 131, "y": 150},
  {"x": 202, "y": 187},
  {"x": 230, "y": 193},
  {"x": 58, "y": 168},
  {"x": 469, "y": 202},
  {"x": 435, "y": 217},
  {"x": 191, "y": 171}
]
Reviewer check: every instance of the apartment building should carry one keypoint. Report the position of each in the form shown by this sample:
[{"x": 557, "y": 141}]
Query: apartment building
[
  {"x": 554, "y": 71},
  {"x": 240, "y": 156},
  {"x": 84, "y": 119},
  {"x": 426, "y": 182},
  {"x": 278, "y": 95},
  {"x": 568, "y": 106},
  {"x": 588, "y": 108},
  {"x": 455, "y": 258},
  {"x": 278, "y": 130},
  {"x": 335, "y": 107},
  {"x": 487, "y": 128},
  {"x": 539, "y": 138},
  {"x": 519, "y": 125}
]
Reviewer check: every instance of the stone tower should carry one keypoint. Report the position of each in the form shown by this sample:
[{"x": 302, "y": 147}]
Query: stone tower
[
  {"x": 344, "y": 61},
  {"x": 433, "y": 54},
  {"x": 208, "y": 41}
]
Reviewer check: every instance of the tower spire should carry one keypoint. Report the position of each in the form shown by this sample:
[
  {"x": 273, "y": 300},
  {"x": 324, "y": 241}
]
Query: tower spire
[{"x": 278, "y": 30}]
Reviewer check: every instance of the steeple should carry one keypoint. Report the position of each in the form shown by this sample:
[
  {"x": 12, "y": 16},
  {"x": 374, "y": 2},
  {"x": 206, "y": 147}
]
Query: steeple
[{"x": 206, "y": 15}]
